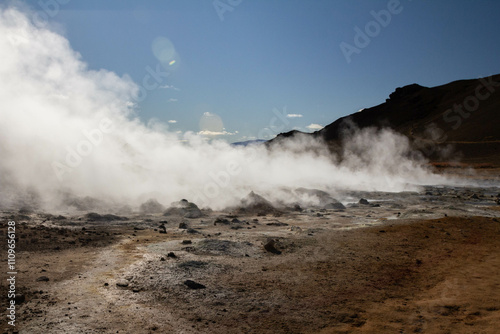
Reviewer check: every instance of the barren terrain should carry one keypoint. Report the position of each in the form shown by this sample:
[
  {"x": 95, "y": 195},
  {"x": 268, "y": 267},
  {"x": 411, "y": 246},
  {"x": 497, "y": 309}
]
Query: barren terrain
[{"x": 415, "y": 262}]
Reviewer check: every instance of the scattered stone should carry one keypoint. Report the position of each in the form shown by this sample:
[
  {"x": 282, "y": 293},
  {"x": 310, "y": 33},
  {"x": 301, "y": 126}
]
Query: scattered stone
[
  {"x": 92, "y": 216},
  {"x": 363, "y": 201},
  {"x": 193, "y": 285},
  {"x": 43, "y": 279},
  {"x": 220, "y": 220},
  {"x": 224, "y": 247},
  {"x": 122, "y": 283},
  {"x": 277, "y": 223},
  {"x": 186, "y": 242},
  {"x": 172, "y": 255},
  {"x": 192, "y": 231},
  {"x": 183, "y": 225}
]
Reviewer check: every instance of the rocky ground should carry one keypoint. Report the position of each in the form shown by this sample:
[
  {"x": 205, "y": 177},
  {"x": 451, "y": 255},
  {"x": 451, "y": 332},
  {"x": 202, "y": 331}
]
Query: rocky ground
[{"x": 415, "y": 262}]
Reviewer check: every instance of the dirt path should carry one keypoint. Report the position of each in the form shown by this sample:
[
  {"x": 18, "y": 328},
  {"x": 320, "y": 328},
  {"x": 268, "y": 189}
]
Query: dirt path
[{"x": 404, "y": 276}]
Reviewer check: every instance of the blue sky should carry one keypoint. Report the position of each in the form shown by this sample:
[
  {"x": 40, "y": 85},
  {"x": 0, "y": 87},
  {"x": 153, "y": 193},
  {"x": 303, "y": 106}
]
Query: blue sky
[{"x": 280, "y": 55}]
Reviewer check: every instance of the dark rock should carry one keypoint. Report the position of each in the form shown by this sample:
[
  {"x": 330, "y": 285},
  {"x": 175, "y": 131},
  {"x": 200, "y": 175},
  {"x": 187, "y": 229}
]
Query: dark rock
[
  {"x": 186, "y": 242},
  {"x": 334, "y": 206},
  {"x": 43, "y": 279},
  {"x": 277, "y": 224},
  {"x": 223, "y": 221},
  {"x": 193, "y": 285},
  {"x": 92, "y": 216},
  {"x": 237, "y": 227},
  {"x": 122, "y": 283},
  {"x": 172, "y": 255},
  {"x": 19, "y": 298},
  {"x": 270, "y": 247},
  {"x": 256, "y": 204},
  {"x": 363, "y": 201},
  {"x": 184, "y": 209},
  {"x": 163, "y": 229},
  {"x": 183, "y": 225}
]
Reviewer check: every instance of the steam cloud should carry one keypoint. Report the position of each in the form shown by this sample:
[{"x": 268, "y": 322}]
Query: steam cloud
[{"x": 68, "y": 131}]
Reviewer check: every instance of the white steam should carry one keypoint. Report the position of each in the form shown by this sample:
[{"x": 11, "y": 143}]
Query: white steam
[{"x": 66, "y": 130}]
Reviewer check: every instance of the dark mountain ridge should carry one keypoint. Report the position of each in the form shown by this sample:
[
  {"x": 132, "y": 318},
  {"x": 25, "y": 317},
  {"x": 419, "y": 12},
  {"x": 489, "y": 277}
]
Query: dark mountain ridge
[{"x": 464, "y": 114}]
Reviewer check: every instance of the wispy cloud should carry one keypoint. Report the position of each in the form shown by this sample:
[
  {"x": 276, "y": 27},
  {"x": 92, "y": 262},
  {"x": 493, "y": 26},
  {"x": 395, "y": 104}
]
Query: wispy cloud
[
  {"x": 314, "y": 126},
  {"x": 169, "y": 87},
  {"x": 172, "y": 121},
  {"x": 294, "y": 115},
  {"x": 172, "y": 100},
  {"x": 216, "y": 133}
]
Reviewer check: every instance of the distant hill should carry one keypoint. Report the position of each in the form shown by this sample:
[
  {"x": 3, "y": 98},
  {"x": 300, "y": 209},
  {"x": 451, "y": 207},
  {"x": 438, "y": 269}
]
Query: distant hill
[
  {"x": 248, "y": 142},
  {"x": 464, "y": 114}
]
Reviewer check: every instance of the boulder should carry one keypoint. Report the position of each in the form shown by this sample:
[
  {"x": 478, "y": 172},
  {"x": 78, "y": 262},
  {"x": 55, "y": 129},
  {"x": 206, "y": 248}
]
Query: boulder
[
  {"x": 184, "y": 209},
  {"x": 151, "y": 206}
]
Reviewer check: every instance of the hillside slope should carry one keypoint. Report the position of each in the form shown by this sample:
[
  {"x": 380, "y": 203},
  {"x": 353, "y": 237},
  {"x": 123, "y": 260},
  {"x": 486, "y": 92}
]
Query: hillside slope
[{"x": 464, "y": 114}]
